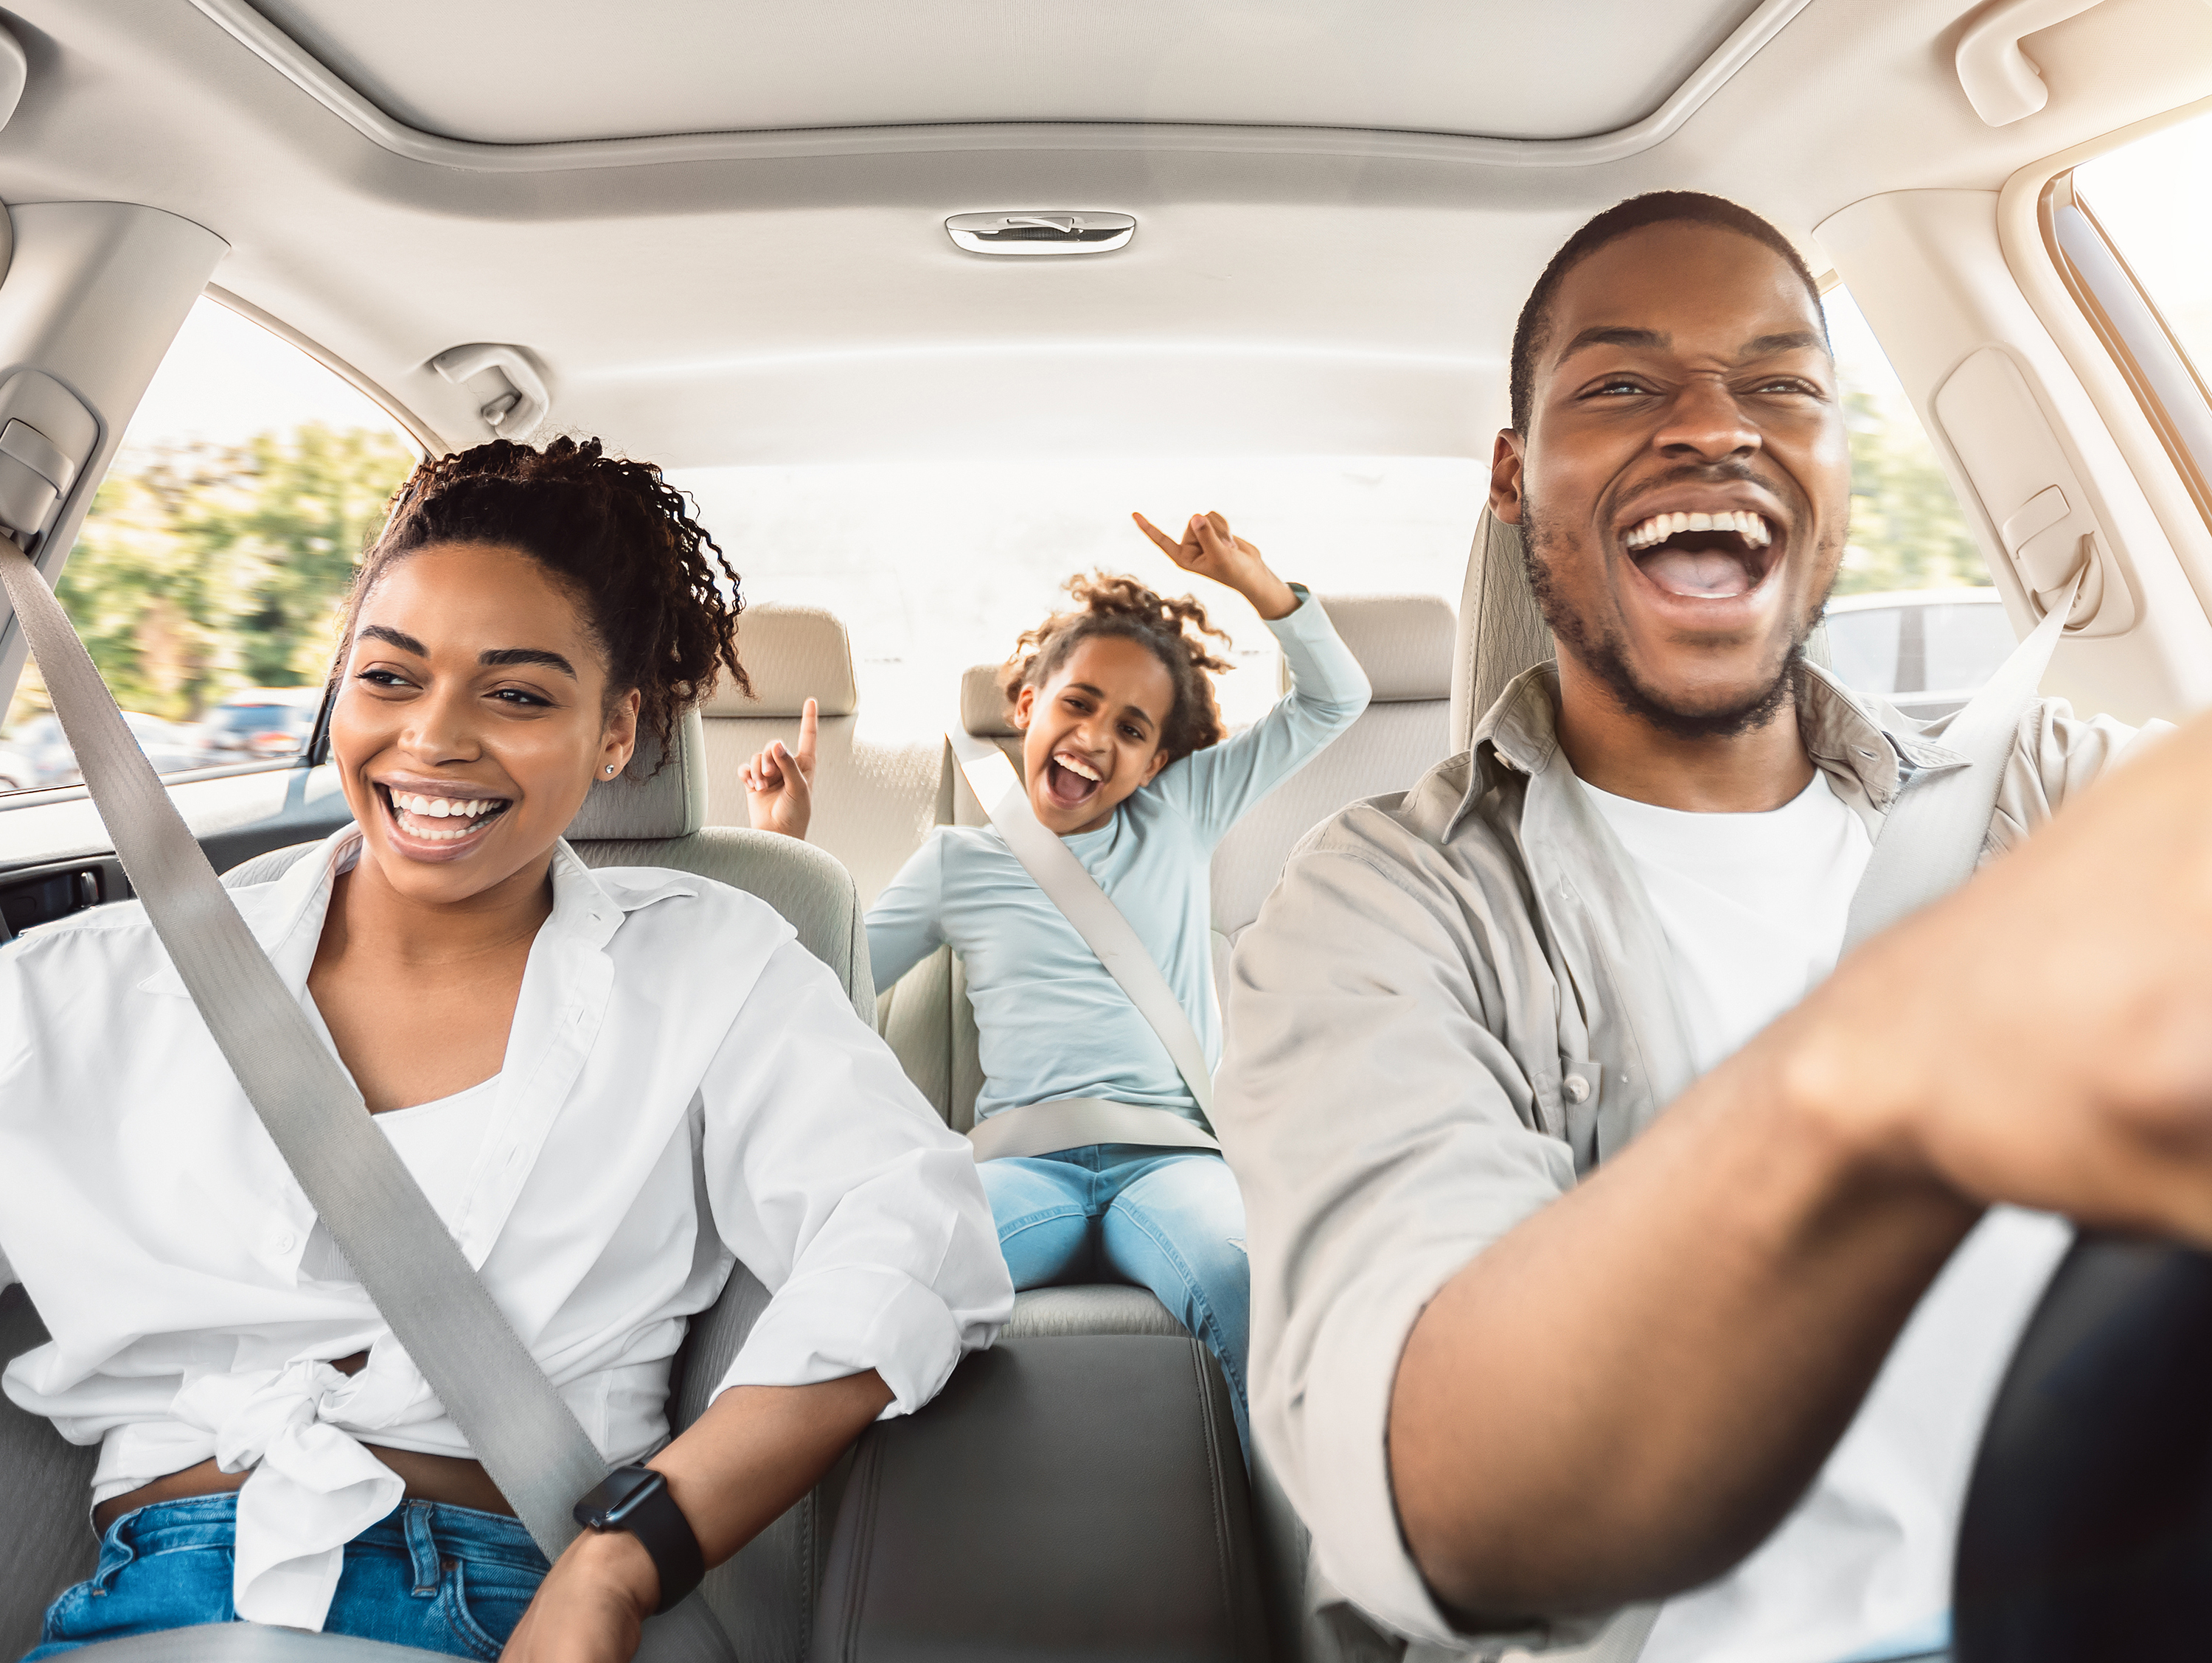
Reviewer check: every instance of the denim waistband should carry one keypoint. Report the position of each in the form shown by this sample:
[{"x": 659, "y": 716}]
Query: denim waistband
[{"x": 460, "y": 1532}]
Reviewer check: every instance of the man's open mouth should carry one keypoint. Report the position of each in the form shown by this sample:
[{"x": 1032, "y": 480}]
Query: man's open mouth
[
  {"x": 1070, "y": 781},
  {"x": 441, "y": 819},
  {"x": 1705, "y": 556}
]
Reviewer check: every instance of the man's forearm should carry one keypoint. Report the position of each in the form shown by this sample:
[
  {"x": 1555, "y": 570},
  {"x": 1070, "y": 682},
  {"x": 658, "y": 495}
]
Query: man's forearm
[{"x": 1624, "y": 1394}]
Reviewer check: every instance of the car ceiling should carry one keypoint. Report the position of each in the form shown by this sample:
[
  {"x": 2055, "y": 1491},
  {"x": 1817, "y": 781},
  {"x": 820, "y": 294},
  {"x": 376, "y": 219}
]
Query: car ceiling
[{"x": 718, "y": 228}]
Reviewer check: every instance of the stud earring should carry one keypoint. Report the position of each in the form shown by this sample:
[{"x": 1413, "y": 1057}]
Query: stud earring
[{"x": 611, "y": 768}]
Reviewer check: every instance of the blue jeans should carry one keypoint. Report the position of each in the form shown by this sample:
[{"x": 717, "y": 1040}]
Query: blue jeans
[
  {"x": 439, "y": 1578},
  {"x": 1169, "y": 1220}
]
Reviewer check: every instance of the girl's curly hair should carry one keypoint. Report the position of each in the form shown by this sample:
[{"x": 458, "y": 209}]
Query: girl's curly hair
[
  {"x": 619, "y": 537},
  {"x": 1173, "y": 630}
]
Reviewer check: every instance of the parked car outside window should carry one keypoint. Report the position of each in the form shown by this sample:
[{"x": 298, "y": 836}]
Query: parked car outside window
[
  {"x": 259, "y": 723},
  {"x": 1926, "y": 651}
]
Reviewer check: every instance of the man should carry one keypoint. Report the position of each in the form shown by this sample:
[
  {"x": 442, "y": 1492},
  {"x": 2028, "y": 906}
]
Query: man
[{"x": 1518, "y": 1371}]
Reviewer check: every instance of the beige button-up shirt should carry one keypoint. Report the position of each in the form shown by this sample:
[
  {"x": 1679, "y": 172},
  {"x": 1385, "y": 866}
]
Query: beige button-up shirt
[{"x": 1457, "y": 1003}]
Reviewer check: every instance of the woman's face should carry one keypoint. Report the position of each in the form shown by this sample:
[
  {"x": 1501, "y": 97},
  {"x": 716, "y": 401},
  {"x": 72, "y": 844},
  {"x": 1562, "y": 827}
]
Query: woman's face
[{"x": 470, "y": 720}]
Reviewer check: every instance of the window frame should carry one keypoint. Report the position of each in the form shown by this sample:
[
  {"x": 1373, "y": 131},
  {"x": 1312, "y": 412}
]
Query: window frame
[
  {"x": 2165, "y": 489},
  {"x": 2167, "y": 386}
]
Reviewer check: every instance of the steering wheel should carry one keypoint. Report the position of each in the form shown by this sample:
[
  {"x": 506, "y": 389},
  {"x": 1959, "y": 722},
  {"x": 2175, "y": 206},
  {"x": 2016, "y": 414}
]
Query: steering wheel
[{"x": 2088, "y": 1531}]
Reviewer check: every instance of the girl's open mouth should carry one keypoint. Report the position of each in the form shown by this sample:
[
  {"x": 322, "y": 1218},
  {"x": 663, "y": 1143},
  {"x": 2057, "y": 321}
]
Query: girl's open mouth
[
  {"x": 1070, "y": 781},
  {"x": 1716, "y": 556},
  {"x": 449, "y": 820}
]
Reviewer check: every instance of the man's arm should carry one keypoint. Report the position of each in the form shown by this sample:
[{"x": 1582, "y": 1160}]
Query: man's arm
[{"x": 1691, "y": 1331}]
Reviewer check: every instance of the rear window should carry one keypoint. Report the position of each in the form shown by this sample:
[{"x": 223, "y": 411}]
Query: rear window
[{"x": 936, "y": 567}]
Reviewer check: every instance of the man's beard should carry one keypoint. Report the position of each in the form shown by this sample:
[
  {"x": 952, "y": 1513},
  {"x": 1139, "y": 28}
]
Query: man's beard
[{"x": 1604, "y": 654}]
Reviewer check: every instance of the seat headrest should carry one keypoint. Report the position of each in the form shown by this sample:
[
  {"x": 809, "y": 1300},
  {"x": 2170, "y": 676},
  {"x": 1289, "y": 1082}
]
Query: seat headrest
[
  {"x": 792, "y": 654},
  {"x": 1404, "y": 643},
  {"x": 1502, "y": 631},
  {"x": 644, "y": 801},
  {"x": 984, "y": 711}
]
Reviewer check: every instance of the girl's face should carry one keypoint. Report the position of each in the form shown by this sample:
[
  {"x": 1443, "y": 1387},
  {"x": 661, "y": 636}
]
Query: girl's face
[
  {"x": 1090, "y": 734},
  {"x": 470, "y": 721}
]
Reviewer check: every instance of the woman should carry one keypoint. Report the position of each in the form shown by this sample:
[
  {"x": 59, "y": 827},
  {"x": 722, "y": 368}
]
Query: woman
[{"x": 611, "y": 1085}]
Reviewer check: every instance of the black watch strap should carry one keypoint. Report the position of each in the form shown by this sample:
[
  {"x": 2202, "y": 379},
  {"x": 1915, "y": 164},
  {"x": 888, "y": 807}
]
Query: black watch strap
[{"x": 637, "y": 1499}]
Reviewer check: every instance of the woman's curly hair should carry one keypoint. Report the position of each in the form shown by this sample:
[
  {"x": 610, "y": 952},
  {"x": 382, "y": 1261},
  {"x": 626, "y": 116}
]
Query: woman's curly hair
[
  {"x": 619, "y": 537},
  {"x": 1173, "y": 630}
]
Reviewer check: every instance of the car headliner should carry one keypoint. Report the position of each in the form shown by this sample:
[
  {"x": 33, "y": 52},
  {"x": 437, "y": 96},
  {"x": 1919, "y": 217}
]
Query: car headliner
[{"x": 782, "y": 290}]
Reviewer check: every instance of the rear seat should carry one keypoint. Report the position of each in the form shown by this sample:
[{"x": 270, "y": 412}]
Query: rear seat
[
  {"x": 874, "y": 801},
  {"x": 1404, "y": 644}
]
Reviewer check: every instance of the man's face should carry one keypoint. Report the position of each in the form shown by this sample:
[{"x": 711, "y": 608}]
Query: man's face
[{"x": 1685, "y": 482}]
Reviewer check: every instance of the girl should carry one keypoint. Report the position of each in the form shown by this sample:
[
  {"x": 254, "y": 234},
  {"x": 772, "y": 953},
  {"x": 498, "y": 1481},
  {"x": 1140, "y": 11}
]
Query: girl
[
  {"x": 1122, "y": 755},
  {"x": 611, "y": 1085}
]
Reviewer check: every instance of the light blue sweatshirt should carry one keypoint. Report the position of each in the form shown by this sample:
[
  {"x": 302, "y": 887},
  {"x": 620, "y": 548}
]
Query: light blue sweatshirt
[{"x": 1053, "y": 1023}]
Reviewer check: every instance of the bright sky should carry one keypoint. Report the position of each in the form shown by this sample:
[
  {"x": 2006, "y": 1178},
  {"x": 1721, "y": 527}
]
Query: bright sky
[{"x": 227, "y": 378}]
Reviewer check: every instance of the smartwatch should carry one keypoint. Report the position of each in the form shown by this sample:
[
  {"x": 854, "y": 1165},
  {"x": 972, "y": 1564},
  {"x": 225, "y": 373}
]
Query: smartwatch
[{"x": 637, "y": 1499}]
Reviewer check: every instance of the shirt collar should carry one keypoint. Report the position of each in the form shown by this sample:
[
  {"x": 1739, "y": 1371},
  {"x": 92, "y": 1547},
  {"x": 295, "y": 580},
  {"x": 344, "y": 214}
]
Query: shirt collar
[
  {"x": 1843, "y": 732},
  {"x": 286, "y": 914}
]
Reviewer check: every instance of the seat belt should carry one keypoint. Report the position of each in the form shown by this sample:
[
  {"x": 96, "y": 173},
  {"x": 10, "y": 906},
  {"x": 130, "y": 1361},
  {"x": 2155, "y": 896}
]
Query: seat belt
[
  {"x": 1076, "y": 1121},
  {"x": 424, "y": 1288},
  {"x": 1934, "y": 830}
]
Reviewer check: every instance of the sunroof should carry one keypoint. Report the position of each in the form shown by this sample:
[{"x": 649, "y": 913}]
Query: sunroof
[{"x": 505, "y": 72}]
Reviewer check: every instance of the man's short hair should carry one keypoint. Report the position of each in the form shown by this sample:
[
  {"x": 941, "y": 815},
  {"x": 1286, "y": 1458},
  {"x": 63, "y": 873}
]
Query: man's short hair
[{"x": 1656, "y": 208}]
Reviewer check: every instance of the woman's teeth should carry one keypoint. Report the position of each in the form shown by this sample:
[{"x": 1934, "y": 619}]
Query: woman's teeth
[
  {"x": 1752, "y": 528},
  {"x": 415, "y": 808},
  {"x": 1076, "y": 765}
]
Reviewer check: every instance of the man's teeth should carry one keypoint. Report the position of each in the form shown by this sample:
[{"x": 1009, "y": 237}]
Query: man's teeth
[
  {"x": 1750, "y": 527},
  {"x": 1074, "y": 765}
]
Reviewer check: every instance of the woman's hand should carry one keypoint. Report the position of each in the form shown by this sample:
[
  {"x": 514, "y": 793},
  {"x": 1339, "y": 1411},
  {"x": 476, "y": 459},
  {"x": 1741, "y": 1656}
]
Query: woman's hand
[
  {"x": 1209, "y": 549},
  {"x": 779, "y": 786},
  {"x": 592, "y": 1604}
]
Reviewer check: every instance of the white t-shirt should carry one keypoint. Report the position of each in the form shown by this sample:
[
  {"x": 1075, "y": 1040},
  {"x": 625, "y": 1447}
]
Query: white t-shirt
[{"x": 1753, "y": 907}]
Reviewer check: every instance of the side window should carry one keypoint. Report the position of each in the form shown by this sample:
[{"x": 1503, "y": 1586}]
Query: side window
[
  {"x": 206, "y": 576},
  {"x": 2130, "y": 237},
  {"x": 1914, "y": 617}
]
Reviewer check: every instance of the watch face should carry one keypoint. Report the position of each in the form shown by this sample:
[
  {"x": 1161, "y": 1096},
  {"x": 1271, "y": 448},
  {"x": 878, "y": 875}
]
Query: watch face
[{"x": 627, "y": 1485}]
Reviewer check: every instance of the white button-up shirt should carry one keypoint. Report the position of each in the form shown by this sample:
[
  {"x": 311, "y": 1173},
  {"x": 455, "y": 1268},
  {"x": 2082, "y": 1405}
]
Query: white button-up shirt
[{"x": 684, "y": 1088}]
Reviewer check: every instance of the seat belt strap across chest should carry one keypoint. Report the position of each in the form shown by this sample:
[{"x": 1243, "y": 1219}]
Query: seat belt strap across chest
[
  {"x": 1070, "y": 886},
  {"x": 1936, "y": 827},
  {"x": 516, "y": 1423}
]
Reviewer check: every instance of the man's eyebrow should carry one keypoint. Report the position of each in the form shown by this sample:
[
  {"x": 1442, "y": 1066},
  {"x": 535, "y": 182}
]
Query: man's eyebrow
[
  {"x": 400, "y": 639},
  {"x": 1615, "y": 335},
  {"x": 504, "y": 655},
  {"x": 1766, "y": 346}
]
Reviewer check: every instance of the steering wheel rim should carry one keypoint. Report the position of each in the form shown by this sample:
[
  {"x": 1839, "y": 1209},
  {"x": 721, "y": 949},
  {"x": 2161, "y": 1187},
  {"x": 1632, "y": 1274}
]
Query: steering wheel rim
[{"x": 2087, "y": 1527}]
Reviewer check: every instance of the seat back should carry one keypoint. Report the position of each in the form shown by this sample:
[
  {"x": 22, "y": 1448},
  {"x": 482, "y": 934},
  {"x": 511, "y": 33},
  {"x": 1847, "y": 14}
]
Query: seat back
[
  {"x": 1501, "y": 630},
  {"x": 1404, "y": 644},
  {"x": 875, "y": 799},
  {"x": 764, "y": 1597},
  {"x": 1071, "y": 1497}
]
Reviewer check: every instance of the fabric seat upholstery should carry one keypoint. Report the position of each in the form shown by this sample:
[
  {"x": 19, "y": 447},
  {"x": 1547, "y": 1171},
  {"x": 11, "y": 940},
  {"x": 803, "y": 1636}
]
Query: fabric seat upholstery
[{"x": 1404, "y": 644}]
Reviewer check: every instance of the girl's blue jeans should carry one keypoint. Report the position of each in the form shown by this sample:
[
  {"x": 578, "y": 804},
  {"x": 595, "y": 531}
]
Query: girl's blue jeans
[
  {"x": 439, "y": 1578},
  {"x": 1169, "y": 1220}
]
